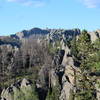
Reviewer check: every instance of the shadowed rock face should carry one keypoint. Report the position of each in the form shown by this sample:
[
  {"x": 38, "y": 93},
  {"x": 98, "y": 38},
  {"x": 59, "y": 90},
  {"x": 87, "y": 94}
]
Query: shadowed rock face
[
  {"x": 52, "y": 34},
  {"x": 6, "y": 40},
  {"x": 59, "y": 34},
  {"x": 28, "y": 33}
]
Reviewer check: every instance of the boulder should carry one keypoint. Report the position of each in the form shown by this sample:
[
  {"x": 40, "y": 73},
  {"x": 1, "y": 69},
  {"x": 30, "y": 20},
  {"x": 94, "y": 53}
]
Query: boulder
[{"x": 25, "y": 83}]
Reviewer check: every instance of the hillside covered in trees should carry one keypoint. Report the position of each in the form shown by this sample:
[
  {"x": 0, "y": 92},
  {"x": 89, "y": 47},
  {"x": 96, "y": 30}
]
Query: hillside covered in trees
[{"x": 50, "y": 64}]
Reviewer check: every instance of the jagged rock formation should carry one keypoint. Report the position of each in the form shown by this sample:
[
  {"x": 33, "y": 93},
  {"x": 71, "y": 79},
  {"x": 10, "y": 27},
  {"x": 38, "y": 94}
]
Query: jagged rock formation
[
  {"x": 62, "y": 68},
  {"x": 34, "y": 32},
  {"x": 68, "y": 79},
  {"x": 94, "y": 35},
  {"x": 21, "y": 90},
  {"x": 52, "y": 35},
  {"x": 59, "y": 34}
]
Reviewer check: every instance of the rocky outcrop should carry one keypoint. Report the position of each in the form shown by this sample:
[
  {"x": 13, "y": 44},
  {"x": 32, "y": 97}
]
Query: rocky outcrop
[
  {"x": 62, "y": 68},
  {"x": 50, "y": 75},
  {"x": 52, "y": 35},
  {"x": 59, "y": 34},
  {"x": 98, "y": 33},
  {"x": 67, "y": 56},
  {"x": 7, "y": 40},
  {"x": 94, "y": 35},
  {"x": 53, "y": 78},
  {"x": 67, "y": 87},
  {"x": 18, "y": 91},
  {"x": 68, "y": 79},
  {"x": 70, "y": 74},
  {"x": 28, "y": 33}
]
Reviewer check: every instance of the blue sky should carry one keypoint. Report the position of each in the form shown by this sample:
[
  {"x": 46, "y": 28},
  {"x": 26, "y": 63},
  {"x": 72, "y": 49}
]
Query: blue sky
[{"x": 16, "y": 15}]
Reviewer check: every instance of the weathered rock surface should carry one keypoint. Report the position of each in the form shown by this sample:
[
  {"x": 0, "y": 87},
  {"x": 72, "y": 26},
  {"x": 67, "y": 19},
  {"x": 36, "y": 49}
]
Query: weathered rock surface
[
  {"x": 68, "y": 79},
  {"x": 65, "y": 93},
  {"x": 17, "y": 91},
  {"x": 28, "y": 33},
  {"x": 94, "y": 35},
  {"x": 59, "y": 34}
]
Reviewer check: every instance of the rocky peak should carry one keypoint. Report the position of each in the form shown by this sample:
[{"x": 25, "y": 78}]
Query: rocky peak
[
  {"x": 33, "y": 31},
  {"x": 59, "y": 34}
]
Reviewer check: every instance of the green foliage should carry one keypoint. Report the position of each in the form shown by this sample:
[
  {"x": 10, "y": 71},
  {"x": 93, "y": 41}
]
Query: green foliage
[
  {"x": 29, "y": 93},
  {"x": 97, "y": 44},
  {"x": 84, "y": 46},
  {"x": 74, "y": 50},
  {"x": 18, "y": 95},
  {"x": 96, "y": 57},
  {"x": 54, "y": 48},
  {"x": 85, "y": 95},
  {"x": 93, "y": 61},
  {"x": 25, "y": 93},
  {"x": 88, "y": 55},
  {"x": 54, "y": 93},
  {"x": 85, "y": 88}
]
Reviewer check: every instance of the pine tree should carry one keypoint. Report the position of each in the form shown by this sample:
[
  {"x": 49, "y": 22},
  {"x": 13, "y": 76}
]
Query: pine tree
[
  {"x": 94, "y": 60},
  {"x": 74, "y": 50},
  {"x": 84, "y": 44},
  {"x": 84, "y": 47}
]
